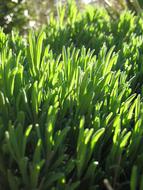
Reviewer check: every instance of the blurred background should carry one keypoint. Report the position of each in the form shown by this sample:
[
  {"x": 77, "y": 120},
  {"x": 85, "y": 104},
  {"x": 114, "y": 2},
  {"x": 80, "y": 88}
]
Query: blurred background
[{"x": 24, "y": 14}]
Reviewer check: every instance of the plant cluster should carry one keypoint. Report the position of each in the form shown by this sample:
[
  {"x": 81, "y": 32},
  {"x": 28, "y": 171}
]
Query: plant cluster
[{"x": 71, "y": 110}]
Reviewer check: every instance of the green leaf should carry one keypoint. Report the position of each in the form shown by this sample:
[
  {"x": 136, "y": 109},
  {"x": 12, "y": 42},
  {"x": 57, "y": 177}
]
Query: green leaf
[
  {"x": 134, "y": 178},
  {"x": 96, "y": 137}
]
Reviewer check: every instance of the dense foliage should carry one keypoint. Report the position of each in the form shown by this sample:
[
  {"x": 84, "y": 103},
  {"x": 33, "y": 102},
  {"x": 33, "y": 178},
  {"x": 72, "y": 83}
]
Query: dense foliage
[{"x": 71, "y": 110}]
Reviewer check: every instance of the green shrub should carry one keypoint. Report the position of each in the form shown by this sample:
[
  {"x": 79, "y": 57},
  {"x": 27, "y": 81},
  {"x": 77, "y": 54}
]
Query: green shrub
[{"x": 71, "y": 109}]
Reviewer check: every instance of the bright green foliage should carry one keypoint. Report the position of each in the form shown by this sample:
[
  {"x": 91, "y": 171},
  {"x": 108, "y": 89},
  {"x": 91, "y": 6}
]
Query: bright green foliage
[{"x": 71, "y": 116}]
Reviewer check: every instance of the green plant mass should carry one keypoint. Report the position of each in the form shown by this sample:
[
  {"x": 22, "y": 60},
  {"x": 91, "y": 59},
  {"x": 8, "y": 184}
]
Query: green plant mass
[{"x": 71, "y": 109}]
